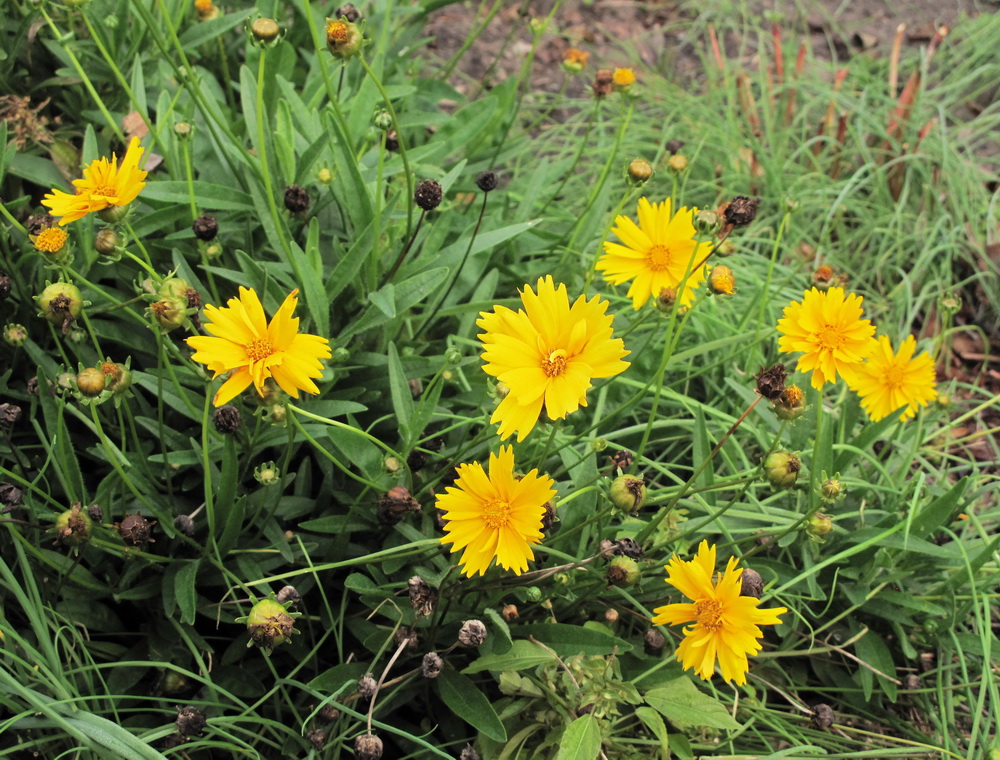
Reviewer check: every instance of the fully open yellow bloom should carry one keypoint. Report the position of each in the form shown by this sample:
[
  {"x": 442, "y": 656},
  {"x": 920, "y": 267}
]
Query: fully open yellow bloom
[
  {"x": 887, "y": 381},
  {"x": 827, "y": 327},
  {"x": 623, "y": 77},
  {"x": 104, "y": 184},
  {"x": 547, "y": 354},
  {"x": 253, "y": 350},
  {"x": 725, "y": 624},
  {"x": 656, "y": 253},
  {"x": 496, "y": 516}
]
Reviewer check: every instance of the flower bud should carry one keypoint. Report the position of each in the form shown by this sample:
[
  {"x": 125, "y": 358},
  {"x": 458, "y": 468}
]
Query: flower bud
[
  {"x": 269, "y": 624},
  {"x": 831, "y": 489},
  {"x": 113, "y": 214},
  {"x": 791, "y": 404},
  {"x": 382, "y": 119},
  {"x": 574, "y": 61},
  {"x": 823, "y": 277},
  {"x": 721, "y": 281},
  {"x": 169, "y": 313},
  {"x": 265, "y": 31},
  {"x": 950, "y": 304},
  {"x": 628, "y": 492},
  {"x": 61, "y": 303},
  {"x": 726, "y": 248},
  {"x": 611, "y": 616},
  {"x": 267, "y": 473},
  {"x": 107, "y": 242},
  {"x": 272, "y": 393},
  {"x": 782, "y": 468},
  {"x": 639, "y": 171},
  {"x": 74, "y": 526},
  {"x": 432, "y": 665},
  {"x": 623, "y": 571},
  {"x": 677, "y": 163},
  {"x": 343, "y": 38},
  {"x": 324, "y": 176},
  {"x": 185, "y": 524},
  {"x": 173, "y": 287},
  {"x": 818, "y": 525},
  {"x": 623, "y": 79},
  {"x": 183, "y": 130},
  {"x": 91, "y": 382},
  {"x": 15, "y": 334},
  {"x": 206, "y": 10},
  {"x": 472, "y": 634},
  {"x": 707, "y": 222}
]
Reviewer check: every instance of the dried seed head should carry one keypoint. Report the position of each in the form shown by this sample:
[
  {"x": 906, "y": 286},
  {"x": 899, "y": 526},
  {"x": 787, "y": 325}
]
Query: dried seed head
[
  {"x": 653, "y": 642},
  {"x": 469, "y": 753},
  {"x": 422, "y": 597},
  {"x": 823, "y": 716},
  {"x": 603, "y": 83},
  {"x": 135, "y": 530},
  {"x": 771, "y": 382},
  {"x": 205, "y": 228},
  {"x": 391, "y": 140},
  {"x": 227, "y": 419},
  {"x": 349, "y": 13},
  {"x": 823, "y": 277},
  {"x": 674, "y": 146},
  {"x": 628, "y": 547},
  {"x": 367, "y": 686},
  {"x": 428, "y": 195},
  {"x": 394, "y": 504},
  {"x": 9, "y": 414},
  {"x": 472, "y": 634},
  {"x": 190, "y": 721},
  {"x": 623, "y": 571},
  {"x": 95, "y": 513},
  {"x": 432, "y": 665},
  {"x": 296, "y": 199},
  {"x": 622, "y": 459},
  {"x": 368, "y": 747},
  {"x": 11, "y": 497},
  {"x": 38, "y": 222},
  {"x": 416, "y": 460},
  {"x": 317, "y": 738},
  {"x": 751, "y": 583},
  {"x": 911, "y": 681},
  {"x": 74, "y": 526},
  {"x": 487, "y": 181},
  {"x": 329, "y": 712},
  {"x": 741, "y": 210},
  {"x": 406, "y": 637}
]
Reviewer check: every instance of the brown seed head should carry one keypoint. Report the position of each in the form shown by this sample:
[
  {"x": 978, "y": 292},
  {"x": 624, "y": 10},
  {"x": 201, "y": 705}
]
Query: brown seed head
[
  {"x": 349, "y": 12},
  {"x": 227, "y": 419},
  {"x": 9, "y": 414},
  {"x": 317, "y": 738},
  {"x": 288, "y": 596},
  {"x": 367, "y": 686},
  {"x": 469, "y": 753},
  {"x": 653, "y": 642},
  {"x": 603, "y": 83},
  {"x": 823, "y": 716},
  {"x": 428, "y": 195},
  {"x": 205, "y": 227},
  {"x": 296, "y": 199},
  {"x": 394, "y": 504},
  {"x": 771, "y": 382},
  {"x": 185, "y": 524},
  {"x": 190, "y": 721},
  {"x": 509, "y": 612},
  {"x": 135, "y": 530},
  {"x": 368, "y": 747},
  {"x": 751, "y": 583},
  {"x": 472, "y": 634},
  {"x": 11, "y": 497},
  {"x": 422, "y": 597},
  {"x": 741, "y": 210},
  {"x": 487, "y": 181},
  {"x": 432, "y": 665}
]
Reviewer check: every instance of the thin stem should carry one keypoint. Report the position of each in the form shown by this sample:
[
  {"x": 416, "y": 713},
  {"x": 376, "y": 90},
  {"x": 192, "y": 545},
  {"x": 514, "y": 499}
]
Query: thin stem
[{"x": 406, "y": 250}]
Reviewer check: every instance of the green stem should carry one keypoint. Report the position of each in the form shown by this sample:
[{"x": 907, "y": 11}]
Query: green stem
[{"x": 326, "y": 453}]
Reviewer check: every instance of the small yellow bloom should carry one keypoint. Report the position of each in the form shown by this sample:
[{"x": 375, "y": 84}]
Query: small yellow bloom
[
  {"x": 827, "y": 328},
  {"x": 656, "y": 253},
  {"x": 623, "y": 78},
  {"x": 887, "y": 381},
  {"x": 50, "y": 240},
  {"x": 104, "y": 184},
  {"x": 497, "y": 516},
  {"x": 547, "y": 354},
  {"x": 254, "y": 350},
  {"x": 722, "y": 281},
  {"x": 725, "y": 623}
]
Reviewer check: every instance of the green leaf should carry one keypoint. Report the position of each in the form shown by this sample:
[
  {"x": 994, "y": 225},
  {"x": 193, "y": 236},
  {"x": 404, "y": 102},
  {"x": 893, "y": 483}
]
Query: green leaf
[
  {"x": 185, "y": 592},
  {"x": 873, "y": 650},
  {"x": 334, "y": 679},
  {"x": 521, "y": 655},
  {"x": 571, "y": 640},
  {"x": 204, "y": 31},
  {"x": 938, "y": 512},
  {"x": 460, "y": 694},
  {"x": 581, "y": 740},
  {"x": 657, "y": 727},
  {"x": 209, "y": 196},
  {"x": 402, "y": 398},
  {"x": 408, "y": 293},
  {"x": 681, "y": 702},
  {"x": 339, "y": 524}
]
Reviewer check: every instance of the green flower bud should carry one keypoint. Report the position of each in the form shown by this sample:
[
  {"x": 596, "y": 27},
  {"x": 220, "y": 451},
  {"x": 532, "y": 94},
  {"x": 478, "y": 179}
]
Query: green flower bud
[
  {"x": 782, "y": 468},
  {"x": 90, "y": 382},
  {"x": 267, "y": 474},
  {"x": 15, "y": 334},
  {"x": 74, "y": 526},
  {"x": 819, "y": 525},
  {"x": 628, "y": 493},
  {"x": 623, "y": 571},
  {"x": 269, "y": 624}
]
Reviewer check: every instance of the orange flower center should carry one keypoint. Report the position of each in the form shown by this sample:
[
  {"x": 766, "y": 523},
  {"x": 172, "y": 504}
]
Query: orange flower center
[
  {"x": 892, "y": 377},
  {"x": 259, "y": 349},
  {"x": 496, "y": 513},
  {"x": 51, "y": 240},
  {"x": 336, "y": 31},
  {"x": 555, "y": 363},
  {"x": 658, "y": 258},
  {"x": 709, "y": 614},
  {"x": 830, "y": 337}
]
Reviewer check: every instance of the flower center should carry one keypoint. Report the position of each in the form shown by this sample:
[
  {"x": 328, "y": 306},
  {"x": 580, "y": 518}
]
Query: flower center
[
  {"x": 658, "y": 258},
  {"x": 105, "y": 191},
  {"x": 336, "y": 31},
  {"x": 259, "y": 349},
  {"x": 496, "y": 513},
  {"x": 555, "y": 363},
  {"x": 830, "y": 337},
  {"x": 892, "y": 377},
  {"x": 709, "y": 614}
]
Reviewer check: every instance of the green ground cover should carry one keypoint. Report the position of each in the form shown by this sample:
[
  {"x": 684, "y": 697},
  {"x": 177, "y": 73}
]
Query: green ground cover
[{"x": 157, "y": 549}]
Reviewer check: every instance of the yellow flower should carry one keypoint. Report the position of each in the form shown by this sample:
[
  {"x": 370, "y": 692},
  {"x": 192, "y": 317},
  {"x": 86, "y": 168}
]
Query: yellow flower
[
  {"x": 254, "y": 350},
  {"x": 722, "y": 281},
  {"x": 496, "y": 516},
  {"x": 547, "y": 354},
  {"x": 827, "y": 327},
  {"x": 50, "y": 240},
  {"x": 888, "y": 381},
  {"x": 104, "y": 184},
  {"x": 623, "y": 78},
  {"x": 656, "y": 254},
  {"x": 725, "y": 624},
  {"x": 574, "y": 60}
]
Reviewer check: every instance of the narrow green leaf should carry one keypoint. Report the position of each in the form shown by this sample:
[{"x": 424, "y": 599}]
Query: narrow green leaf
[
  {"x": 402, "y": 398},
  {"x": 408, "y": 293},
  {"x": 938, "y": 512},
  {"x": 185, "y": 591},
  {"x": 581, "y": 741},
  {"x": 521, "y": 655},
  {"x": 460, "y": 694},
  {"x": 571, "y": 640},
  {"x": 210, "y": 197}
]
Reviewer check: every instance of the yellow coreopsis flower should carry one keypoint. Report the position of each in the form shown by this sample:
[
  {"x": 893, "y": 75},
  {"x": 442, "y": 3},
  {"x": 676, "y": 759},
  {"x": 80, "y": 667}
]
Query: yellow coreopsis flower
[
  {"x": 725, "y": 624},
  {"x": 495, "y": 516},
  {"x": 827, "y": 327},
  {"x": 547, "y": 354},
  {"x": 623, "y": 78},
  {"x": 888, "y": 381},
  {"x": 656, "y": 253},
  {"x": 104, "y": 184},
  {"x": 254, "y": 350}
]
